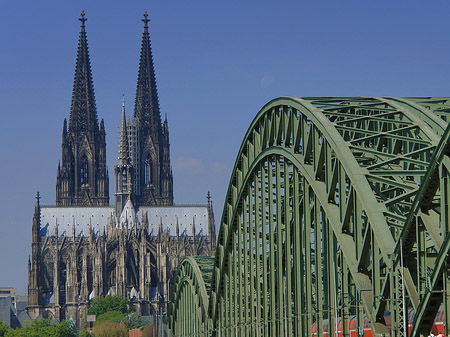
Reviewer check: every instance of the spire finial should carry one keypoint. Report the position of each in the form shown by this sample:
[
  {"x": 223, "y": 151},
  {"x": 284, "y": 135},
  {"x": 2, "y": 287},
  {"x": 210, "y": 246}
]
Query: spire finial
[
  {"x": 123, "y": 100},
  {"x": 38, "y": 198},
  {"x": 145, "y": 20},
  {"x": 82, "y": 19}
]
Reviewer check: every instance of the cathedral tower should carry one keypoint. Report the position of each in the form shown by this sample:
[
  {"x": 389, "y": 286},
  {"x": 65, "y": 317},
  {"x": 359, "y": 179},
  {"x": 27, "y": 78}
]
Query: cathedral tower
[
  {"x": 151, "y": 155},
  {"x": 82, "y": 177}
]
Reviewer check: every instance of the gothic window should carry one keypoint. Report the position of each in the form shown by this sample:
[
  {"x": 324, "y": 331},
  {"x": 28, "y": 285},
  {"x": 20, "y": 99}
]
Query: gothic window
[
  {"x": 89, "y": 273},
  {"x": 124, "y": 179},
  {"x": 79, "y": 256},
  {"x": 132, "y": 268},
  {"x": 63, "y": 279},
  {"x": 48, "y": 315},
  {"x": 84, "y": 171},
  {"x": 148, "y": 171},
  {"x": 47, "y": 272}
]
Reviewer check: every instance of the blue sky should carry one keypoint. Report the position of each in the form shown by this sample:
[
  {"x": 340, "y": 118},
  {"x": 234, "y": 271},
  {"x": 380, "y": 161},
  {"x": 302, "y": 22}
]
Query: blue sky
[{"x": 217, "y": 63}]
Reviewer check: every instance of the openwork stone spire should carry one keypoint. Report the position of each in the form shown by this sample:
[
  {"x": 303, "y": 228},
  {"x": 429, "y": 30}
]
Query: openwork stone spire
[
  {"x": 83, "y": 112},
  {"x": 124, "y": 154},
  {"x": 123, "y": 171},
  {"x": 147, "y": 105},
  {"x": 82, "y": 178}
]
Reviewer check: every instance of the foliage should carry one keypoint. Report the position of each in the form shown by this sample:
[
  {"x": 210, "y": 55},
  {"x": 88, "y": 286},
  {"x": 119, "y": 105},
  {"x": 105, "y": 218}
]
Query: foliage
[
  {"x": 110, "y": 316},
  {"x": 135, "y": 321},
  {"x": 43, "y": 328},
  {"x": 3, "y": 329},
  {"x": 150, "y": 331},
  {"x": 100, "y": 305},
  {"x": 86, "y": 333},
  {"x": 110, "y": 329}
]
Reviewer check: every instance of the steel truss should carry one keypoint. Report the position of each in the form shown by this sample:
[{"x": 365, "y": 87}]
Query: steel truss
[
  {"x": 189, "y": 307},
  {"x": 336, "y": 208}
]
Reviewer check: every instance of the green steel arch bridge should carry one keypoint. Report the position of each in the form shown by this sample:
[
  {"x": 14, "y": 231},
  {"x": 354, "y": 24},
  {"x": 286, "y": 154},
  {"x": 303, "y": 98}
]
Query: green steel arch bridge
[{"x": 337, "y": 208}]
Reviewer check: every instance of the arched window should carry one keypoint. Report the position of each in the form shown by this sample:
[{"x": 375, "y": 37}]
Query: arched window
[
  {"x": 148, "y": 171},
  {"x": 47, "y": 272},
  {"x": 84, "y": 171},
  {"x": 62, "y": 279}
]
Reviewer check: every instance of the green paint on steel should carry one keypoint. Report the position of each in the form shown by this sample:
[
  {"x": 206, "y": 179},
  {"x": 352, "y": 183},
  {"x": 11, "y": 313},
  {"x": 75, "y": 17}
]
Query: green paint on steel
[
  {"x": 323, "y": 191},
  {"x": 189, "y": 302}
]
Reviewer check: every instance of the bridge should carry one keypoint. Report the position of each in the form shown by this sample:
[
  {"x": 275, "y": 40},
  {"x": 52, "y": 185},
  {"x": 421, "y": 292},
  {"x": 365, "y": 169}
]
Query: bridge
[{"x": 338, "y": 208}]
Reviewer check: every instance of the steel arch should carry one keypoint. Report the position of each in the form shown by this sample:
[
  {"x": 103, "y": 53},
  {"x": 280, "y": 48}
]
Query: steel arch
[
  {"x": 427, "y": 232},
  {"x": 320, "y": 201},
  {"x": 188, "y": 310}
]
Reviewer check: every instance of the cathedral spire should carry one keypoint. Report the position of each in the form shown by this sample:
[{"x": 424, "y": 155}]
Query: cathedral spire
[
  {"x": 58, "y": 175},
  {"x": 83, "y": 112},
  {"x": 37, "y": 207},
  {"x": 124, "y": 154},
  {"x": 123, "y": 171},
  {"x": 166, "y": 129},
  {"x": 64, "y": 133},
  {"x": 211, "y": 223},
  {"x": 146, "y": 105},
  {"x": 149, "y": 139},
  {"x": 84, "y": 179}
]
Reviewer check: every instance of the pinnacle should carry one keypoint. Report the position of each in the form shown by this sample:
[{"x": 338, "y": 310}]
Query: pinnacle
[
  {"x": 123, "y": 146},
  {"x": 64, "y": 132},
  {"x": 37, "y": 207},
  {"x": 38, "y": 197}
]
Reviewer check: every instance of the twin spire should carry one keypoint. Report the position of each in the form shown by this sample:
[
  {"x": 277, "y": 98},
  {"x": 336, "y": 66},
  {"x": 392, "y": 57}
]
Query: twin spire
[
  {"x": 146, "y": 108},
  {"x": 143, "y": 146},
  {"x": 83, "y": 111}
]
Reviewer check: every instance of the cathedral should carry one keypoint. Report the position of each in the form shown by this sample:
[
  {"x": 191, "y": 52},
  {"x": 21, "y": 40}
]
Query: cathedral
[{"x": 83, "y": 247}]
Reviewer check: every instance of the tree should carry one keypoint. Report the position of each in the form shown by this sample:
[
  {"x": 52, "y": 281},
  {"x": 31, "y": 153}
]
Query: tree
[
  {"x": 3, "y": 329},
  {"x": 135, "y": 321},
  {"x": 43, "y": 328},
  {"x": 110, "y": 329},
  {"x": 100, "y": 305},
  {"x": 110, "y": 316}
]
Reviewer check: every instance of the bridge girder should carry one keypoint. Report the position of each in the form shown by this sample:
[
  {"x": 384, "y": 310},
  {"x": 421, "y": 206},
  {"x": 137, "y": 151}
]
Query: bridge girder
[
  {"x": 190, "y": 298},
  {"x": 322, "y": 193}
]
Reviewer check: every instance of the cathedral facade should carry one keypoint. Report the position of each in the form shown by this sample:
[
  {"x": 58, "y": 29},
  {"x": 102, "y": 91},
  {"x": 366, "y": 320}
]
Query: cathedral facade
[{"x": 83, "y": 247}]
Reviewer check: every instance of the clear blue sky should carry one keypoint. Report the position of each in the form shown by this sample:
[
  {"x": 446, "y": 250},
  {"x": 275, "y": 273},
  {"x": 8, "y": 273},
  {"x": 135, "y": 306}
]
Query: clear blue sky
[{"x": 217, "y": 63}]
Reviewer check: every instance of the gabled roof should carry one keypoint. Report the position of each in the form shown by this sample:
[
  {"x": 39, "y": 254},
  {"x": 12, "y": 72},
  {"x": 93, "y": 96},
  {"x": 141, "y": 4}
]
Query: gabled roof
[
  {"x": 83, "y": 218},
  {"x": 80, "y": 217},
  {"x": 128, "y": 216}
]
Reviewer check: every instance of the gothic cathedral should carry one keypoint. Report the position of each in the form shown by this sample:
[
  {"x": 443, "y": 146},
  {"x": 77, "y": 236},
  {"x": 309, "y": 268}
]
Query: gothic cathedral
[{"x": 83, "y": 247}]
